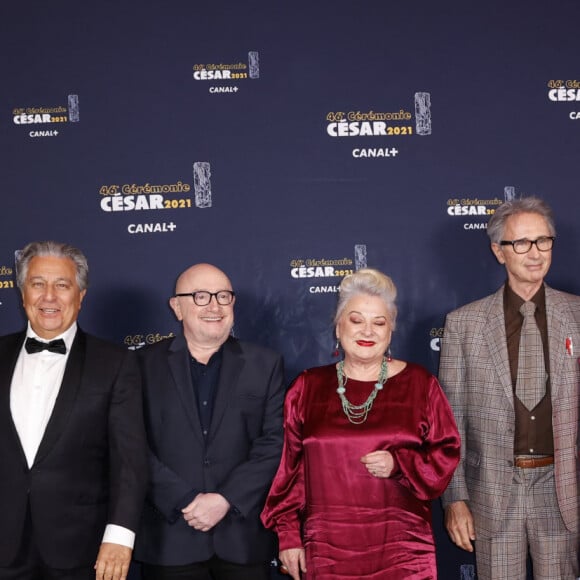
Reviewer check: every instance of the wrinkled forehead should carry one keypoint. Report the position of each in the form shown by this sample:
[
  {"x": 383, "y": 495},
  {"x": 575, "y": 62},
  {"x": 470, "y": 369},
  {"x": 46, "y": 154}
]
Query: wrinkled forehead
[
  {"x": 203, "y": 277},
  {"x": 525, "y": 223},
  {"x": 367, "y": 305},
  {"x": 51, "y": 267}
]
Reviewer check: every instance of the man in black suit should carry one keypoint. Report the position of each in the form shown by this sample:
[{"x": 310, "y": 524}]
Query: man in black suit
[
  {"x": 72, "y": 442},
  {"x": 213, "y": 413}
]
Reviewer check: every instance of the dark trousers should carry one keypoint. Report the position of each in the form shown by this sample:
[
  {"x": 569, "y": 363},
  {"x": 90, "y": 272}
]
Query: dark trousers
[
  {"x": 213, "y": 569},
  {"x": 41, "y": 572},
  {"x": 28, "y": 565}
]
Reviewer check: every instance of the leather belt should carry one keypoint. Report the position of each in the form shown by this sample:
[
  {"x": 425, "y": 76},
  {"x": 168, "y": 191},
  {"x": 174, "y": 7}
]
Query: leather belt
[{"x": 528, "y": 462}]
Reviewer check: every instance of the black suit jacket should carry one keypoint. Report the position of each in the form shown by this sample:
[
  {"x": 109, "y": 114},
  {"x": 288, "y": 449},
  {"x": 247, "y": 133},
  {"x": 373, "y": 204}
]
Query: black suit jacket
[
  {"x": 238, "y": 459},
  {"x": 91, "y": 466}
]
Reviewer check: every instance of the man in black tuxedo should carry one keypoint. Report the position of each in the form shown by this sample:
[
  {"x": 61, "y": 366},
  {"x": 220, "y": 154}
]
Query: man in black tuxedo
[
  {"x": 72, "y": 442},
  {"x": 213, "y": 414}
]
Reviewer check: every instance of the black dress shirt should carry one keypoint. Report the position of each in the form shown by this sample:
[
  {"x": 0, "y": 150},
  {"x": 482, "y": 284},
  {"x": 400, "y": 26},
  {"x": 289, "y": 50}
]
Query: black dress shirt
[{"x": 205, "y": 379}]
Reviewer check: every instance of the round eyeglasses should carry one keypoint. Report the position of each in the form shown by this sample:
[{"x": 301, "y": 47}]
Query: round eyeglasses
[
  {"x": 203, "y": 297},
  {"x": 523, "y": 246}
]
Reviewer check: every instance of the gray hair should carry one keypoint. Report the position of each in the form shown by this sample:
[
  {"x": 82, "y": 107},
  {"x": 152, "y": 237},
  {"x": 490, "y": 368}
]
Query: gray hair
[
  {"x": 56, "y": 250},
  {"x": 496, "y": 224},
  {"x": 372, "y": 283}
]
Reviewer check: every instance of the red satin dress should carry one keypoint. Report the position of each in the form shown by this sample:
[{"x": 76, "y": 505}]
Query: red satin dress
[{"x": 352, "y": 524}]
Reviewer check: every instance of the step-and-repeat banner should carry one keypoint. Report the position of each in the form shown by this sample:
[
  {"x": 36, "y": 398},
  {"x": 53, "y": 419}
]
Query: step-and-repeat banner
[{"x": 289, "y": 143}]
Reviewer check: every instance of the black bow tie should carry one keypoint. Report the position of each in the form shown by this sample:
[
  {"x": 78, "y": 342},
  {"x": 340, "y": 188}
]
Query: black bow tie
[{"x": 32, "y": 345}]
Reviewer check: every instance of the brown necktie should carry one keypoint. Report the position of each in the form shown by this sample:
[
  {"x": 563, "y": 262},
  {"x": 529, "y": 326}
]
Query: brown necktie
[{"x": 531, "y": 379}]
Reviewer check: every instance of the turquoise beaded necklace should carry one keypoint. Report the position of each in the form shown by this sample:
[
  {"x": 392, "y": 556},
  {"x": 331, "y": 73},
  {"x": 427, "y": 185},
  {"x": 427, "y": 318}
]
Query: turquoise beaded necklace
[{"x": 357, "y": 414}]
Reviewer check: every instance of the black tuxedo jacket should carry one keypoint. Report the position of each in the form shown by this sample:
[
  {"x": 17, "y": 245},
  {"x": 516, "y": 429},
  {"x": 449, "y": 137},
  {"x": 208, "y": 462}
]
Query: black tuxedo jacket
[
  {"x": 238, "y": 459},
  {"x": 91, "y": 466}
]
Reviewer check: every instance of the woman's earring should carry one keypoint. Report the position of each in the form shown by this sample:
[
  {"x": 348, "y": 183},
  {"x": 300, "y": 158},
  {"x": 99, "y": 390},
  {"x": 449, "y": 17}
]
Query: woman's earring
[
  {"x": 336, "y": 351},
  {"x": 388, "y": 355}
]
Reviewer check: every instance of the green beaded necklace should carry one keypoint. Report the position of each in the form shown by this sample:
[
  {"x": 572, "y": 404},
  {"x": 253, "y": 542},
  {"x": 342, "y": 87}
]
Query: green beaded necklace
[{"x": 357, "y": 414}]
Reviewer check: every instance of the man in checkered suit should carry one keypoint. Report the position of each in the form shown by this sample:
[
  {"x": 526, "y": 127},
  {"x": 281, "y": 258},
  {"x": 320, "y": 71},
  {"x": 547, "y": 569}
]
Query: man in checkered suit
[{"x": 515, "y": 491}]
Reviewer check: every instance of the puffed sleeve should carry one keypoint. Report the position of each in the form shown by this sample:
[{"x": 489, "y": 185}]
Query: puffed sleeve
[
  {"x": 427, "y": 470},
  {"x": 286, "y": 499}
]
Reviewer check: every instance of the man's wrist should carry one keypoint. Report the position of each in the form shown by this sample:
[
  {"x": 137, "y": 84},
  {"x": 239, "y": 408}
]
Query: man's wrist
[{"x": 119, "y": 535}]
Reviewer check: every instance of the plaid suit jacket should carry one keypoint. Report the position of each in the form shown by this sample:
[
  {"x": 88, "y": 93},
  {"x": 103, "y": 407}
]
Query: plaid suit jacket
[{"x": 474, "y": 372}]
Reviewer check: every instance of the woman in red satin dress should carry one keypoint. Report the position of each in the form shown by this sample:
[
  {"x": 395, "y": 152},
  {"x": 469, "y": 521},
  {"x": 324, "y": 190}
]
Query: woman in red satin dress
[{"x": 369, "y": 442}]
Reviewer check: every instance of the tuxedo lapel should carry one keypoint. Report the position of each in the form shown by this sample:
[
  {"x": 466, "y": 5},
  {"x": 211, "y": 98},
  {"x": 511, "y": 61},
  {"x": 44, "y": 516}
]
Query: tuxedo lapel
[
  {"x": 231, "y": 368},
  {"x": 67, "y": 394},
  {"x": 497, "y": 344},
  {"x": 178, "y": 361},
  {"x": 8, "y": 358}
]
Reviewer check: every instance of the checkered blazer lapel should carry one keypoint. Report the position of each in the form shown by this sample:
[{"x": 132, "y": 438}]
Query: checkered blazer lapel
[{"x": 497, "y": 344}]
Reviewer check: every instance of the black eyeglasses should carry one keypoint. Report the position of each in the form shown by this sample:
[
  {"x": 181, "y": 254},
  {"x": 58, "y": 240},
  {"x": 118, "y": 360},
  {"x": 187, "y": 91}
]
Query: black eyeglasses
[
  {"x": 523, "y": 246},
  {"x": 203, "y": 297}
]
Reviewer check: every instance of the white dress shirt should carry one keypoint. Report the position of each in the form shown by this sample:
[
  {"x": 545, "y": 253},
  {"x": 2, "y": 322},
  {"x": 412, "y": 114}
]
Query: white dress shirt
[{"x": 35, "y": 386}]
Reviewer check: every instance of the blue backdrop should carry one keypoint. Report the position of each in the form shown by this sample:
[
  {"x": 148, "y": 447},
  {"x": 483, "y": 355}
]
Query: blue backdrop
[{"x": 288, "y": 143}]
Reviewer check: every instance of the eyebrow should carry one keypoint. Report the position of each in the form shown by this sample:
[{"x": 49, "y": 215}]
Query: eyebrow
[
  {"x": 61, "y": 279},
  {"x": 204, "y": 290},
  {"x": 359, "y": 312}
]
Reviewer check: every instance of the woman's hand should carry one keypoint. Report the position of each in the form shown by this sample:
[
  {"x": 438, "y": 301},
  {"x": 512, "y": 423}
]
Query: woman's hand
[
  {"x": 293, "y": 562},
  {"x": 379, "y": 463}
]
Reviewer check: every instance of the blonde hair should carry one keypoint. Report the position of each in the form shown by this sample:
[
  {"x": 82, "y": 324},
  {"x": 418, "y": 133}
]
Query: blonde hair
[{"x": 372, "y": 283}]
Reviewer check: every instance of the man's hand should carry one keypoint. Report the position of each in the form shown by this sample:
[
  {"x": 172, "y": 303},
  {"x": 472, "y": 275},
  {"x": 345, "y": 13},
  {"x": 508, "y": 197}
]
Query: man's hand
[
  {"x": 459, "y": 524},
  {"x": 205, "y": 511},
  {"x": 112, "y": 562}
]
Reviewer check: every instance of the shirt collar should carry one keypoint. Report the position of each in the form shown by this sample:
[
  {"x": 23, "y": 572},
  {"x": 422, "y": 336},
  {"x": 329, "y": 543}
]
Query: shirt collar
[
  {"x": 68, "y": 335},
  {"x": 514, "y": 301},
  {"x": 214, "y": 360}
]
